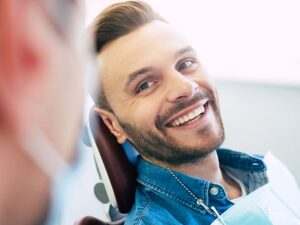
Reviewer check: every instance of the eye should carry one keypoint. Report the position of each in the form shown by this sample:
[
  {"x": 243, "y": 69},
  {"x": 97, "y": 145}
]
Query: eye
[
  {"x": 186, "y": 64},
  {"x": 145, "y": 86}
]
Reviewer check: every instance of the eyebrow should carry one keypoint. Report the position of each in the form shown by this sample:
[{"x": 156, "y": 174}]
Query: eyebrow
[
  {"x": 183, "y": 51},
  {"x": 132, "y": 76}
]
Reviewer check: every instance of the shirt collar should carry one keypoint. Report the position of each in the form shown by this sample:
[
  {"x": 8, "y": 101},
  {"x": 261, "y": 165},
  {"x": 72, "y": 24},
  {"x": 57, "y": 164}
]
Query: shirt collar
[
  {"x": 161, "y": 180},
  {"x": 240, "y": 160}
]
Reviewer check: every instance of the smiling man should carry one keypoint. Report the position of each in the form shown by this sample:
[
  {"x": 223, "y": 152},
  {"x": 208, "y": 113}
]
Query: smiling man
[
  {"x": 153, "y": 91},
  {"x": 169, "y": 101}
]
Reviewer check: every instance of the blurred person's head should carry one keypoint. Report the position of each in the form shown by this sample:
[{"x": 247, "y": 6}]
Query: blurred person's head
[
  {"x": 153, "y": 90},
  {"x": 41, "y": 96}
]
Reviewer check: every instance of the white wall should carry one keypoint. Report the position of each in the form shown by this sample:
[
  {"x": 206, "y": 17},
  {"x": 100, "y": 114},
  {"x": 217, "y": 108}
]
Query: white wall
[
  {"x": 255, "y": 40},
  {"x": 262, "y": 118}
]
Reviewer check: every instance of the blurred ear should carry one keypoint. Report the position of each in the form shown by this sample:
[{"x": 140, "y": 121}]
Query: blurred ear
[
  {"x": 112, "y": 124},
  {"x": 8, "y": 60},
  {"x": 19, "y": 55},
  {"x": 20, "y": 60}
]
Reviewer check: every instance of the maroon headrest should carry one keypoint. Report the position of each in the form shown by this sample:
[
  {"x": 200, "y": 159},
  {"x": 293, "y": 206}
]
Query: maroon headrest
[{"x": 121, "y": 173}]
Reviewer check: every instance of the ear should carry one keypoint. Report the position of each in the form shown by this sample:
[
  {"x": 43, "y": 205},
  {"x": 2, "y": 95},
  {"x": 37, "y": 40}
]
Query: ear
[
  {"x": 14, "y": 79},
  {"x": 112, "y": 124}
]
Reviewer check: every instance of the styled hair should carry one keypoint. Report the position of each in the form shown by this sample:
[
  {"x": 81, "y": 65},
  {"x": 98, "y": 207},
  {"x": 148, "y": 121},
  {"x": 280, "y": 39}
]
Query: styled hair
[{"x": 114, "y": 22}]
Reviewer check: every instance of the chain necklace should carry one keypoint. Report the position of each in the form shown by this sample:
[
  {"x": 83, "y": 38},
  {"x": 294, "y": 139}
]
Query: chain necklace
[{"x": 211, "y": 210}]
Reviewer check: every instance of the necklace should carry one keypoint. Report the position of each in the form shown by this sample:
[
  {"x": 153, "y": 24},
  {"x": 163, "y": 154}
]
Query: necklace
[{"x": 211, "y": 210}]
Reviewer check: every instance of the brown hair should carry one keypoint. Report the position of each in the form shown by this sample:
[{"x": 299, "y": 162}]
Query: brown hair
[{"x": 115, "y": 21}]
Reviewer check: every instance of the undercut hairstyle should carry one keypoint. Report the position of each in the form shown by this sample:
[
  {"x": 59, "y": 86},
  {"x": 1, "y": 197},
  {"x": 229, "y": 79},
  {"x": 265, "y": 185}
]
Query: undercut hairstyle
[{"x": 114, "y": 22}]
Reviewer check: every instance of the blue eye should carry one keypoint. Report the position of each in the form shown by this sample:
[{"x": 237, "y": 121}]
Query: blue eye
[
  {"x": 145, "y": 86},
  {"x": 185, "y": 64}
]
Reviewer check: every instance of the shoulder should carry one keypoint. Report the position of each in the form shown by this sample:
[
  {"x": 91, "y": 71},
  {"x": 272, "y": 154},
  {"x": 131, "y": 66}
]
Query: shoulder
[
  {"x": 140, "y": 209},
  {"x": 148, "y": 211}
]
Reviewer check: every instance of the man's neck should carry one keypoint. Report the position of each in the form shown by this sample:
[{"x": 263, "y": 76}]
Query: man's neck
[{"x": 208, "y": 168}]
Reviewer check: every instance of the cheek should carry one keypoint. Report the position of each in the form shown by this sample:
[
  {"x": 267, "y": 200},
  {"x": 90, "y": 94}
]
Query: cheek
[{"x": 142, "y": 115}]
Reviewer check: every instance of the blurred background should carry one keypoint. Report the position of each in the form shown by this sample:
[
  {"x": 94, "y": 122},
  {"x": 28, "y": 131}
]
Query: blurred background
[{"x": 252, "y": 50}]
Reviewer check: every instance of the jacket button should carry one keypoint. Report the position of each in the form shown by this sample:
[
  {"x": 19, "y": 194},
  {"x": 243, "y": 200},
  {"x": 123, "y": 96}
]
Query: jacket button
[{"x": 214, "y": 191}]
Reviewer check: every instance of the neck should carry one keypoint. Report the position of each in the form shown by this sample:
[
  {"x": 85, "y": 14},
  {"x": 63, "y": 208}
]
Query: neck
[
  {"x": 208, "y": 168},
  {"x": 24, "y": 188}
]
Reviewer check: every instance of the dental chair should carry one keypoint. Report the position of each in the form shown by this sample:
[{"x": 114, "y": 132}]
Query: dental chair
[{"x": 116, "y": 165}]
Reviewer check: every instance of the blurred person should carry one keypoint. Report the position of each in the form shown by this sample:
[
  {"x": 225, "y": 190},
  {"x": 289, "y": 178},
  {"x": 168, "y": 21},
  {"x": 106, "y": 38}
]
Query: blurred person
[
  {"x": 41, "y": 101},
  {"x": 154, "y": 92}
]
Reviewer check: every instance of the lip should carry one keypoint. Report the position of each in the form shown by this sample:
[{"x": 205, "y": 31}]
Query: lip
[{"x": 186, "y": 111}]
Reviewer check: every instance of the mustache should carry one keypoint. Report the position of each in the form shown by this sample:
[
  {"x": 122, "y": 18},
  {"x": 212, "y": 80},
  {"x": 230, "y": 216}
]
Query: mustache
[{"x": 161, "y": 120}]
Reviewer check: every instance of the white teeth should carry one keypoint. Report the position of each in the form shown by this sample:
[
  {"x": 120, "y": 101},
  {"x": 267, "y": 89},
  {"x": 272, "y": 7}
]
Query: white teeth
[
  {"x": 186, "y": 118},
  {"x": 202, "y": 109},
  {"x": 181, "y": 120},
  {"x": 189, "y": 116}
]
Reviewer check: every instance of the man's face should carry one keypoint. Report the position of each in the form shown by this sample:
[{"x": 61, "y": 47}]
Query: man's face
[{"x": 160, "y": 96}]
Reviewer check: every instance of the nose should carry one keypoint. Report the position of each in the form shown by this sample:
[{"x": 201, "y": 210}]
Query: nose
[{"x": 180, "y": 87}]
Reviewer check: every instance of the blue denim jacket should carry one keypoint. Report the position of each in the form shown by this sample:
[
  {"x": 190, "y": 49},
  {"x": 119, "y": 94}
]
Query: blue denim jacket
[{"x": 161, "y": 200}]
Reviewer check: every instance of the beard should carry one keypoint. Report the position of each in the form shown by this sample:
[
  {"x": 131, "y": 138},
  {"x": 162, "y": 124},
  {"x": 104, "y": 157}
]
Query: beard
[{"x": 160, "y": 146}]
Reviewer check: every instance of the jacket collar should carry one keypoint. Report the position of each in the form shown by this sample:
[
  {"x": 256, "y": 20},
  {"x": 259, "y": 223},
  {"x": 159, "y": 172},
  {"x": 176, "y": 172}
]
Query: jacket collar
[{"x": 160, "y": 180}]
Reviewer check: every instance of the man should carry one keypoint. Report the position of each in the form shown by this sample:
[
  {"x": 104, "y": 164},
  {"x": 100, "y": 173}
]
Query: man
[
  {"x": 153, "y": 92},
  {"x": 41, "y": 96}
]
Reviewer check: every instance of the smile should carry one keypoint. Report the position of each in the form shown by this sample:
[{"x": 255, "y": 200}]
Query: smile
[{"x": 188, "y": 117}]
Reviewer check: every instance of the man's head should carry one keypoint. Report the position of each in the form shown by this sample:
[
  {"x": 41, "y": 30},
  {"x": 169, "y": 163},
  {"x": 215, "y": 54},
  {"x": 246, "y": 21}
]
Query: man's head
[
  {"x": 118, "y": 20},
  {"x": 41, "y": 92},
  {"x": 153, "y": 89}
]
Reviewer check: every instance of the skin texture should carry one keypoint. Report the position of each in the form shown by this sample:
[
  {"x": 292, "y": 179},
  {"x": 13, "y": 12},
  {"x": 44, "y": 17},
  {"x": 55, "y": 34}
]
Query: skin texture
[
  {"x": 151, "y": 77},
  {"x": 39, "y": 89}
]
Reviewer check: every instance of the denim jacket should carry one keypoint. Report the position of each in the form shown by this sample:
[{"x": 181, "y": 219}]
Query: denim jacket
[{"x": 161, "y": 200}]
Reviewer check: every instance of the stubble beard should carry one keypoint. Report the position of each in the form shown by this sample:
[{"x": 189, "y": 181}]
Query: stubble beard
[{"x": 161, "y": 147}]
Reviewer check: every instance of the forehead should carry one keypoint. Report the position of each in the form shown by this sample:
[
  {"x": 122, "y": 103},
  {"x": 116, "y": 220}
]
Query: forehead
[{"x": 150, "y": 45}]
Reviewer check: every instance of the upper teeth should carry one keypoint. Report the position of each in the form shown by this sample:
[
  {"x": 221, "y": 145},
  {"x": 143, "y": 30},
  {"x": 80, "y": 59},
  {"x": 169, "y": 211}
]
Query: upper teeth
[{"x": 189, "y": 116}]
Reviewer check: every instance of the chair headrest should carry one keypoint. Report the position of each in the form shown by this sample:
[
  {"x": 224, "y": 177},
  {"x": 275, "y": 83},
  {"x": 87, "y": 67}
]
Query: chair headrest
[
  {"x": 89, "y": 220},
  {"x": 118, "y": 174}
]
